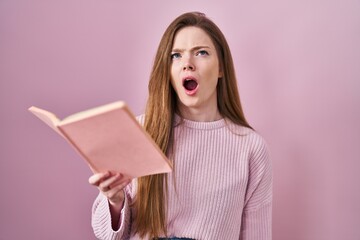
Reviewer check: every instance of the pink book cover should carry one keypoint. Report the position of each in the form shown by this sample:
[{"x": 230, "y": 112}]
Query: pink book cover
[{"x": 111, "y": 140}]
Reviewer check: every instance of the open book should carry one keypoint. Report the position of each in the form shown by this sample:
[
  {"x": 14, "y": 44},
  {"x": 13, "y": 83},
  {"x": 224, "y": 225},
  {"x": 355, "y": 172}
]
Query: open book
[{"x": 109, "y": 138}]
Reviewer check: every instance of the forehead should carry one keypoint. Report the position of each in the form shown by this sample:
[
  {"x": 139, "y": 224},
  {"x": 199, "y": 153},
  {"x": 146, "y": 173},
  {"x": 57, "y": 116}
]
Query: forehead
[{"x": 188, "y": 37}]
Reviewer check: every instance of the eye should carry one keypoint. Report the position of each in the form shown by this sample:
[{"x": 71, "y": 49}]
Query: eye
[
  {"x": 175, "y": 55},
  {"x": 202, "y": 53}
]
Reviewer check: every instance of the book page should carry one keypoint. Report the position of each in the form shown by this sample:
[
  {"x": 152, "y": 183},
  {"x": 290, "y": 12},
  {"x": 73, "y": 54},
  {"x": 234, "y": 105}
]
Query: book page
[
  {"x": 47, "y": 117},
  {"x": 115, "y": 141},
  {"x": 92, "y": 112},
  {"x": 109, "y": 138}
]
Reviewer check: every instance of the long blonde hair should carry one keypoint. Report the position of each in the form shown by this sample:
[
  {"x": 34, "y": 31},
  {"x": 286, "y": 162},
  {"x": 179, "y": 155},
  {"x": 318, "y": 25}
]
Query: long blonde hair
[{"x": 150, "y": 203}]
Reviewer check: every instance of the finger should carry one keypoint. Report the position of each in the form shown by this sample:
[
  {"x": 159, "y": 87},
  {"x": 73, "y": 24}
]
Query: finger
[
  {"x": 118, "y": 188},
  {"x": 105, "y": 185},
  {"x": 121, "y": 180},
  {"x": 98, "y": 177},
  {"x": 112, "y": 193}
]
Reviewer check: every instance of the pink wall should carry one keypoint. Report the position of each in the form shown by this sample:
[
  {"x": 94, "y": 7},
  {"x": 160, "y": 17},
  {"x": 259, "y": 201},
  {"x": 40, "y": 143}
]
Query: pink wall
[{"x": 298, "y": 66}]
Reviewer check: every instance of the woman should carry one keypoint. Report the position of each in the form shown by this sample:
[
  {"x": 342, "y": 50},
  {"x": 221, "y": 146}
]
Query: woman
[{"x": 221, "y": 185}]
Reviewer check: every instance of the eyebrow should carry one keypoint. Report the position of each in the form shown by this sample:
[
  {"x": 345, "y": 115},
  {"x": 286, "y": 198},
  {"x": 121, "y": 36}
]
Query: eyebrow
[{"x": 192, "y": 49}]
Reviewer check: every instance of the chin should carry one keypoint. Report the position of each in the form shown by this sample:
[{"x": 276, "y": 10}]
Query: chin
[{"x": 189, "y": 104}]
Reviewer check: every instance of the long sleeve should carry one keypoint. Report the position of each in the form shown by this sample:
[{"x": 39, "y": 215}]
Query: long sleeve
[
  {"x": 220, "y": 187},
  {"x": 101, "y": 219},
  {"x": 257, "y": 214}
]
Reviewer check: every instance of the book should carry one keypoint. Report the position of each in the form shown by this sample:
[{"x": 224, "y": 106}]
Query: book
[{"x": 109, "y": 138}]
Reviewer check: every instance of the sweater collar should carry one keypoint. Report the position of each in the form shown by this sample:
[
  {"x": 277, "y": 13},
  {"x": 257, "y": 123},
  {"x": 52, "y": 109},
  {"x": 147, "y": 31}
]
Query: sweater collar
[{"x": 179, "y": 121}]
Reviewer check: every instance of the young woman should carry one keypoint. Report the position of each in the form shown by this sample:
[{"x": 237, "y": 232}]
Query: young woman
[{"x": 221, "y": 185}]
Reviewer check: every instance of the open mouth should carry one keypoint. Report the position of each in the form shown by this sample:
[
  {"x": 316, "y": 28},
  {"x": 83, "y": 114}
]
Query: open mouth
[{"x": 190, "y": 84}]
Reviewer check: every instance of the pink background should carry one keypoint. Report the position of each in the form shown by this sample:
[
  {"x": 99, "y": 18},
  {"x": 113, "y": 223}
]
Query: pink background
[{"x": 298, "y": 66}]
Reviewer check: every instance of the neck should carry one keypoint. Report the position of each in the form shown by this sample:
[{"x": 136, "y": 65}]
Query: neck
[{"x": 197, "y": 115}]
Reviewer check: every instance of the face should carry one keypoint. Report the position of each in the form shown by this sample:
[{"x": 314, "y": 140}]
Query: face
[{"x": 194, "y": 70}]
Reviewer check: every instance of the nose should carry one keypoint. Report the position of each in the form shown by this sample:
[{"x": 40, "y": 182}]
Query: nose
[{"x": 188, "y": 65}]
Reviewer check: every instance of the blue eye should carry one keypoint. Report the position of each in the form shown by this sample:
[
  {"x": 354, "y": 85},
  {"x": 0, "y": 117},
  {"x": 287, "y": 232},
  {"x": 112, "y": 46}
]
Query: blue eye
[
  {"x": 202, "y": 53},
  {"x": 175, "y": 55}
]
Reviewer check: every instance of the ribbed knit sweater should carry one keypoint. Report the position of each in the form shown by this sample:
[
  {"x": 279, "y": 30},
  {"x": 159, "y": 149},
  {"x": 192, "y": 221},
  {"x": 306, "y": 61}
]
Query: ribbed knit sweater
[{"x": 223, "y": 186}]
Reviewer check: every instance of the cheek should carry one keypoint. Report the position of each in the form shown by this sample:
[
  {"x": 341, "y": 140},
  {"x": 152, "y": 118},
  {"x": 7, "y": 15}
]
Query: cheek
[
  {"x": 215, "y": 83},
  {"x": 174, "y": 69},
  {"x": 214, "y": 76},
  {"x": 172, "y": 73},
  {"x": 174, "y": 78},
  {"x": 173, "y": 84}
]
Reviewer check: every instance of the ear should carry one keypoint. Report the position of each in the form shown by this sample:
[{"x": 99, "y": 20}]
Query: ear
[{"x": 220, "y": 74}]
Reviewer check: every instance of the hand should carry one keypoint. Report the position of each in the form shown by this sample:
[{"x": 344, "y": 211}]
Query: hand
[{"x": 111, "y": 185}]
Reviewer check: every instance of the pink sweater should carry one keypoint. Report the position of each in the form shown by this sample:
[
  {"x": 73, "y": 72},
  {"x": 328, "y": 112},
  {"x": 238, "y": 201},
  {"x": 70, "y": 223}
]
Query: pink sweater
[{"x": 224, "y": 187}]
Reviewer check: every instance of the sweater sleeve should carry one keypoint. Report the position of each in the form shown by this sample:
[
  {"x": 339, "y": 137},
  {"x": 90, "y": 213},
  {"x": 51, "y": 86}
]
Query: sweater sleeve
[
  {"x": 101, "y": 218},
  {"x": 257, "y": 213}
]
